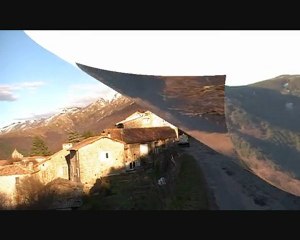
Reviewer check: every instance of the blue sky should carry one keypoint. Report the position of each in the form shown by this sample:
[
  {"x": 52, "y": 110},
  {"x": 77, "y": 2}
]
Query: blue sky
[{"x": 35, "y": 83}]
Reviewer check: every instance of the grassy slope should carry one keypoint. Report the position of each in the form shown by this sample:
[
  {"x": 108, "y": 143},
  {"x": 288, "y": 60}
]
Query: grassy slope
[
  {"x": 139, "y": 191},
  {"x": 189, "y": 192}
]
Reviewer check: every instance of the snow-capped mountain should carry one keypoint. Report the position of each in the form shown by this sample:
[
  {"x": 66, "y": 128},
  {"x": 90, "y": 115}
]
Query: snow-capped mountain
[
  {"x": 70, "y": 110},
  {"x": 103, "y": 113},
  {"x": 64, "y": 115}
]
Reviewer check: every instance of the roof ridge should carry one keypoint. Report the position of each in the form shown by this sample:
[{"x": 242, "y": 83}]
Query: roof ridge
[{"x": 24, "y": 168}]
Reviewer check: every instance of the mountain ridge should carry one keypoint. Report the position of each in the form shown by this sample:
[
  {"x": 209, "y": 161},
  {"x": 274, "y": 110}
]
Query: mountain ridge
[{"x": 54, "y": 130}]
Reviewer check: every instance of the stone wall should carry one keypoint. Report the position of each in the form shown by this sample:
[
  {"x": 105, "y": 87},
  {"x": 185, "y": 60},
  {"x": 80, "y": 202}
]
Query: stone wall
[
  {"x": 149, "y": 120},
  {"x": 8, "y": 189},
  {"x": 97, "y": 159},
  {"x": 132, "y": 152},
  {"x": 55, "y": 167}
]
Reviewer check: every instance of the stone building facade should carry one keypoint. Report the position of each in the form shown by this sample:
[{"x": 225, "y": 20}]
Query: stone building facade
[
  {"x": 54, "y": 166},
  {"x": 94, "y": 157},
  {"x": 145, "y": 119},
  {"x": 10, "y": 175},
  {"x": 115, "y": 150}
]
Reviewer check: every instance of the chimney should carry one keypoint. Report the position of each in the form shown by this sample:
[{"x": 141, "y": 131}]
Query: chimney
[
  {"x": 67, "y": 146},
  {"x": 30, "y": 165}
]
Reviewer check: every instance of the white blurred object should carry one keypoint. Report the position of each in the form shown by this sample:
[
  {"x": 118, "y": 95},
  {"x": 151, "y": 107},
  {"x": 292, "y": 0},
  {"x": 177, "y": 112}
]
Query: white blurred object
[
  {"x": 289, "y": 106},
  {"x": 243, "y": 56},
  {"x": 162, "y": 181}
]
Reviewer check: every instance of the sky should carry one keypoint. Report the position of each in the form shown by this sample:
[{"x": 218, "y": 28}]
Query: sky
[
  {"x": 39, "y": 75},
  {"x": 243, "y": 56},
  {"x": 35, "y": 83}
]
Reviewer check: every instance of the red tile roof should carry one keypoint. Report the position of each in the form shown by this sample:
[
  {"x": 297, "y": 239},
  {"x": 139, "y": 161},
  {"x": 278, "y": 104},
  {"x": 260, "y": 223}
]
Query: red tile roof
[
  {"x": 4, "y": 162},
  {"x": 35, "y": 158},
  {"x": 139, "y": 135},
  {"x": 13, "y": 170},
  {"x": 131, "y": 135},
  {"x": 85, "y": 142}
]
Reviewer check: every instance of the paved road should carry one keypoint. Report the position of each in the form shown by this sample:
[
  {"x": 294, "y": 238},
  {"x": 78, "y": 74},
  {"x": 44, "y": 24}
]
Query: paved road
[{"x": 231, "y": 187}]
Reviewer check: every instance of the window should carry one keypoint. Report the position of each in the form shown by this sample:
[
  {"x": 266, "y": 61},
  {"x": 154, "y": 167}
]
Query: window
[
  {"x": 103, "y": 156},
  {"x": 17, "y": 180},
  {"x": 144, "y": 149},
  {"x": 132, "y": 165}
]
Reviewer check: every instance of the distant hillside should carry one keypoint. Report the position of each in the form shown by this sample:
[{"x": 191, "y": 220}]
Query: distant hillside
[
  {"x": 54, "y": 130},
  {"x": 263, "y": 120},
  {"x": 282, "y": 84}
]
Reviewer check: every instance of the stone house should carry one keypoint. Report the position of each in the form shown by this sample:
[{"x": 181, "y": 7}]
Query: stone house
[
  {"x": 31, "y": 162},
  {"x": 45, "y": 168},
  {"x": 16, "y": 155},
  {"x": 145, "y": 119},
  {"x": 10, "y": 175},
  {"x": 54, "y": 166},
  {"x": 14, "y": 170},
  {"x": 115, "y": 150}
]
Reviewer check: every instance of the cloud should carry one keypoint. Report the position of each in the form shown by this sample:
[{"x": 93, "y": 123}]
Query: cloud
[
  {"x": 80, "y": 95},
  {"x": 29, "y": 85},
  {"x": 6, "y": 94},
  {"x": 8, "y": 91}
]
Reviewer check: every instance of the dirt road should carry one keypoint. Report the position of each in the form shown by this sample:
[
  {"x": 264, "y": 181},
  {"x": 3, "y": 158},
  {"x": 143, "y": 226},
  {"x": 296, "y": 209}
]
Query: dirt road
[{"x": 231, "y": 187}]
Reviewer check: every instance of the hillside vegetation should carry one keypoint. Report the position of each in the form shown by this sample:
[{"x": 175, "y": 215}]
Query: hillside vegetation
[
  {"x": 263, "y": 120},
  {"x": 184, "y": 190}
]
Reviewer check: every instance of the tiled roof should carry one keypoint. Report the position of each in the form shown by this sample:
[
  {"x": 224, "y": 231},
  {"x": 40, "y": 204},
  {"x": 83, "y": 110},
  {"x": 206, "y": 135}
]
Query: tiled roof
[
  {"x": 35, "y": 158},
  {"x": 48, "y": 158},
  {"x": 85, "y": 142},
  {"x": 139, "y": 135},
  {"x": 13, "y": 170},
  {"x": 131, "y": 135},
  {"x": 4, "y": 162}
]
